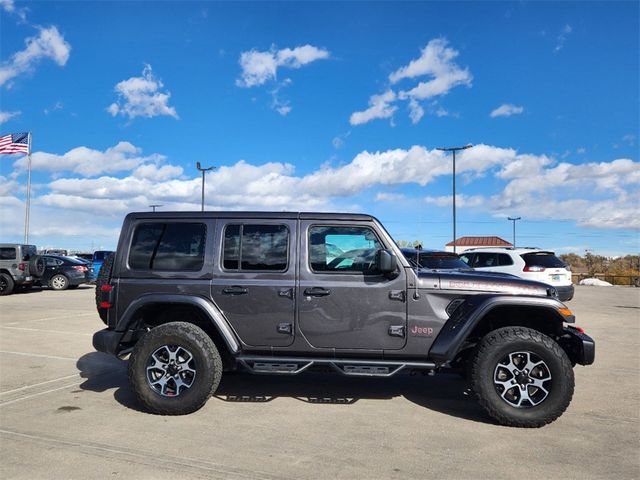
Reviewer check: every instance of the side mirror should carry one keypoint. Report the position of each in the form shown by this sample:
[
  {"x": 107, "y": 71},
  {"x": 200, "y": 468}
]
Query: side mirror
[{"x": 386, "y": 261}]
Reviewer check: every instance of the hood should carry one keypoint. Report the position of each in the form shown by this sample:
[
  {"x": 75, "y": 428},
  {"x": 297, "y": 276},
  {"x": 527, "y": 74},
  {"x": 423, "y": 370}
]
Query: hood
[{"x": 482, "y": 282}]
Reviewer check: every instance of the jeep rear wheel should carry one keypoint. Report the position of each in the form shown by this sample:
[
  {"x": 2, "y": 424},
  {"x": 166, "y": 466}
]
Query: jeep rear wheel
[
  {"x": 521, "y": 377},
  {"x": 174, "y": 369},
  {"x": 6, "y": 284}
]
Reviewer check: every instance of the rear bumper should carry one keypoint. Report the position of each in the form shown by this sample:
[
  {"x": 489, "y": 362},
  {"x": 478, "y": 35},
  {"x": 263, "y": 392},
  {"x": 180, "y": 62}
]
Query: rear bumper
[
  {"x": 565, "y": 293},
  {"x": 107, "y": 341},
  {"x": 580, "y": 347}
]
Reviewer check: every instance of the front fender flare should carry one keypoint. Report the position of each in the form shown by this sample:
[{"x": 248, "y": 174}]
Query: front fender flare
[
  {"x": 449, "y": 341},
  {"x": 208, "y": 308}
]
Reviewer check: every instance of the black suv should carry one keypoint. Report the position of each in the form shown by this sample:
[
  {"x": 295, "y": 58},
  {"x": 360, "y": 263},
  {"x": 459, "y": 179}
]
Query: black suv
[{"x": 191, "y": 294}]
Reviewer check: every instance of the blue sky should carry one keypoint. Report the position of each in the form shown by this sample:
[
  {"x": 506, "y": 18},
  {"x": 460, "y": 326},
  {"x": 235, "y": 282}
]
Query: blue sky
[{"x": 326, "y": 106}]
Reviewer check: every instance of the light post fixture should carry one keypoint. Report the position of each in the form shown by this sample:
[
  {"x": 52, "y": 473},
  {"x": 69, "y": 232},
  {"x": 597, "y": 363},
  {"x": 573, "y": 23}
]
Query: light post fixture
[
  {"x": 154, "y": 206},
  {"x": 514, "y": 220},
  {"x": 203, "y": 170},
  {"x": 454, "y": 150}
]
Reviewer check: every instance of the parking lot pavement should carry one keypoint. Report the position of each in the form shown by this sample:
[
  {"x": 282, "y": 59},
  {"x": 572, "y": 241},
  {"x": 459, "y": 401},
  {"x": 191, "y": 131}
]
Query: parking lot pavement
[{"x": 67, "y": 412}]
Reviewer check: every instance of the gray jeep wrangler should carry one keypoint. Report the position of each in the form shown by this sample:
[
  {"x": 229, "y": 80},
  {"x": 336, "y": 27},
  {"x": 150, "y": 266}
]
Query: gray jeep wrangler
[
  {"x": 192, "y": 294},
  {"x": 20, "y": 267}
]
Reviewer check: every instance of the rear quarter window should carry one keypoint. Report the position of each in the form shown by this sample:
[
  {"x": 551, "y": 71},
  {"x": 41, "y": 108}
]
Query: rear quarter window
[
  {"x": 7, "y": 253},
  {"x": 168, "y": 246}
]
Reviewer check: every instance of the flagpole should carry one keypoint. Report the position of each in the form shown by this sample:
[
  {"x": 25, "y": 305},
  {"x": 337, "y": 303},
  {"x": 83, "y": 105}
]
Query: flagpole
[{"x": 28, "y": 206}]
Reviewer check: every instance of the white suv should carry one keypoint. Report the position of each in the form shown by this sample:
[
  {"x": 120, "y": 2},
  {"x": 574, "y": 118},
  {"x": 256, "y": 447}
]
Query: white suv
[{"x": 529, "y": 263}]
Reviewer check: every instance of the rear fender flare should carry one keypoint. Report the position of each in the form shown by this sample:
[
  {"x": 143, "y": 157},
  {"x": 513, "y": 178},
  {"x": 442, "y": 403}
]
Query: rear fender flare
[
  {"x": 466, "y": 317},
  {"x": 210, "y": 311}
]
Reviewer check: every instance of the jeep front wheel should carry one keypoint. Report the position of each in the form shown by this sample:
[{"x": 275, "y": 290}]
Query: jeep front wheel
[
  {"x": 521, "y": 377},
  {"x": 174, "y": 369}
]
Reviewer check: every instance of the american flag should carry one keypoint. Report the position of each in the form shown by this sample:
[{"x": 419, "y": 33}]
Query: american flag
[{"x": 15, "y": 143}]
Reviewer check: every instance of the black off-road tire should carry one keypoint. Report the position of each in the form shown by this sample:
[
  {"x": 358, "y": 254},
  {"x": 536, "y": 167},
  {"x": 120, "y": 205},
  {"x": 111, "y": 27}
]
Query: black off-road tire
[
  {"x": 36, "y": 266},
  {"x": 59, "y": 282},
  {"x": 495, "y": 347},
  {"x": 6, "y": 284},
  {"x": 104, "y": 277},
  {"x": 206, "y": 363}
]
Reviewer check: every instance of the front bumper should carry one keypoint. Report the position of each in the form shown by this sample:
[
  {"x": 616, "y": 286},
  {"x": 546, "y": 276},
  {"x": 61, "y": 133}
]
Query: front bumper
[{"x": 579, "y": 346}]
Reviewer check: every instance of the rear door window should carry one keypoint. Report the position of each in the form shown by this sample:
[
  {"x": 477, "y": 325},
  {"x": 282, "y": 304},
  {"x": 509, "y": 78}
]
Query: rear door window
[
  {"x": 7, "y": 253},
  {"x": 168, "y": 246},
  {"x": 485, "y": 260},
  {"x": 253, "y": 247}
]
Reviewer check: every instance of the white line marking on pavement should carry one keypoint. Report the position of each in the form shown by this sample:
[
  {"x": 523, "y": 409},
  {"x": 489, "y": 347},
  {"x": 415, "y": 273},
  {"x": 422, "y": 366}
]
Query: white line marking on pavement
[
  {"x": 2, "y": 404},
  {"x": 22, "y": 322},
  {"x": 38, "y": 384},
  {"x": 38, "y": 355},
  {"x": 47, "y": 331}
]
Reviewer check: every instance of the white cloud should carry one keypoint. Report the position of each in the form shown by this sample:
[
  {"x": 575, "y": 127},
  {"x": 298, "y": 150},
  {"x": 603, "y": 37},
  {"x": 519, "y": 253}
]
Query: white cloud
[
  {"x": 390, "y": 197},
  {"x": 380, "y": 106},
  {"x": 260, "y": 67},
  {"x": 437, "y": 61},
  {"x": 6, "y": 116},
  {"x": 462, "y": 201},
  {"x": 630, "y": 139},
  {"x": 506, "y": 110},
  {"x": 416, "y": 112},
  {"x": 89, "y": 162},
  {"x": 598, "y": 195},
  {"x": 142, "y": 97},
  {"x": 339, "y": 140},
  {"x": 49, "y": 43},
  {"x": 581, "y": 150},
  {"x": 562, "y": 38},
  {"x": 9, "y": 6}
]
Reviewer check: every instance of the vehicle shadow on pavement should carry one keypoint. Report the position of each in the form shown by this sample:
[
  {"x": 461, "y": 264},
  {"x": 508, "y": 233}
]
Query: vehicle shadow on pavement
[
  {"x": 105, "y": 372},
  {"x": 447, "y": 394},
  {"x": 444, "y": 393}
]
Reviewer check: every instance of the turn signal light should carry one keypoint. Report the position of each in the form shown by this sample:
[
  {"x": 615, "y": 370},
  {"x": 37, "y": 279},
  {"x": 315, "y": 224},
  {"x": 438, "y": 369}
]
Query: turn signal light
[{"x": 565, "y": 312}]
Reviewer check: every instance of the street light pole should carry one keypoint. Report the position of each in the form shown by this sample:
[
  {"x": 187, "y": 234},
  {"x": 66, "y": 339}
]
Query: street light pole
[
  {"x": 454, "y": 150},
  {"x": 514, "y": 220},
  {"x": 203, "y": 170}
]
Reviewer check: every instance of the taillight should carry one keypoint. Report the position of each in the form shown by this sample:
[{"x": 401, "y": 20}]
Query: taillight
[
  {"x": 532, "y": 268},
  {"x": 22, "y": 267},
  {"x": 105, "y": 305},
  {"x": 80, "y": 268},
  {"x": 106, "y": 288}
]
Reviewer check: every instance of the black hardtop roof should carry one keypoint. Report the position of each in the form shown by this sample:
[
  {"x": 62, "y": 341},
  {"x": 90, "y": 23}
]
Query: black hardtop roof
[{"x": 249, "y": 214}]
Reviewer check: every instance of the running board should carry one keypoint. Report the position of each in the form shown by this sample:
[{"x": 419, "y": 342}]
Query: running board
[{"x": 348, "y": 367}]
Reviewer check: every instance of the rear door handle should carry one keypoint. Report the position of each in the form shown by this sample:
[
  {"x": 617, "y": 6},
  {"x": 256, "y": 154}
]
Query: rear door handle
[
  {"x": 235, "y": 291},
  {"x": 317, "y": 292}
]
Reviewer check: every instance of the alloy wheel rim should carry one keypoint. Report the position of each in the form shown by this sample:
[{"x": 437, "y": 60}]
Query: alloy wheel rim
[
  {"x": 3, "y": 284},
  {"x": 58, "y": 282},
  {"x": 171, "y": 370},
  {"x": 522, "y": 379}
]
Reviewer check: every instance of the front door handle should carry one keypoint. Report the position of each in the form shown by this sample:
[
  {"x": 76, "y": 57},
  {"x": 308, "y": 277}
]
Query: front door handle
[
  {"x": 235, "y": 291},
  {"x": 317, "y": 292}
]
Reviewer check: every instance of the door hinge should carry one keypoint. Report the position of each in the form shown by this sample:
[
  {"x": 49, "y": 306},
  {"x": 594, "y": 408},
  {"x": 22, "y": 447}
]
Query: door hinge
[
  {"x": 396, "y": 331},
  {"x": 285, "y": 328},
  {"x": 397, "y": 295}
]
